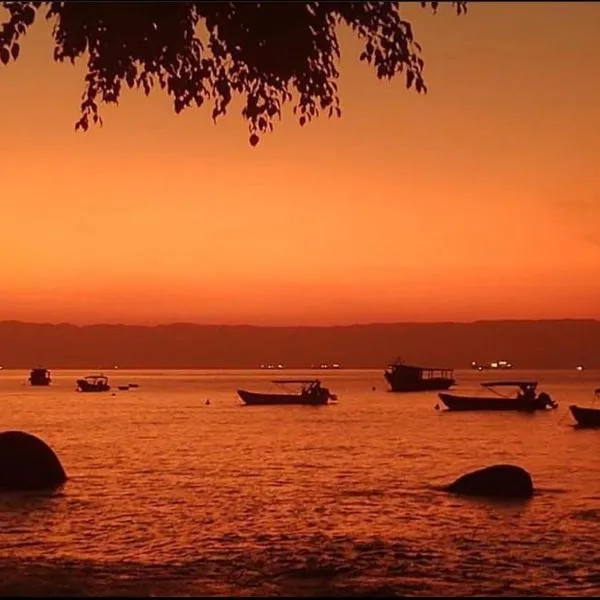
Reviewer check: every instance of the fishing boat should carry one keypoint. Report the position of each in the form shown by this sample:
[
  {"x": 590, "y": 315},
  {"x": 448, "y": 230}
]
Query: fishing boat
[
  {"x": 409, "y": 378},
  {"x": 39, "y": 376},
  {"x": 93, "y": 383},
  {"x": 525, "y": 399},
  {"x": 586, "y": 416},
  {"x": 312, "y": 393}
]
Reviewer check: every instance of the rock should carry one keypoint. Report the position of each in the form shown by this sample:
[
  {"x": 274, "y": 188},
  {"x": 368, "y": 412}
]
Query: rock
[
  {"x": 28, "y": 463},
  {"x": 498, "y": 481}
]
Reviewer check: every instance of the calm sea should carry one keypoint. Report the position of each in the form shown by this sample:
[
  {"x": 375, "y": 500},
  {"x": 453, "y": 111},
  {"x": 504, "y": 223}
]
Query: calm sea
[{"x": 169, "y": 495}]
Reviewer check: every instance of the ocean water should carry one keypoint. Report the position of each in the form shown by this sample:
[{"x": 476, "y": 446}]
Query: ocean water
[{"x": 169, "y": 495}]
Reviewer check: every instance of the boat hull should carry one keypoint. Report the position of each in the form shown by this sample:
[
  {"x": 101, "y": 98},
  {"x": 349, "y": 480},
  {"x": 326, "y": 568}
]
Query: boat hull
[
  {"x": 421, "y": 385},
  {"x": 585, "y": 417},
  {"x": 463, "y": 403},
  {"x": 84, "y": 386},
  {"x": 256, "y": 398}
]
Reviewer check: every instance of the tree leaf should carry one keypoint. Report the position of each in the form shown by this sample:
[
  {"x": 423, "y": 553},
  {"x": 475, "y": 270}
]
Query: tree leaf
[{"x": 28, "y": 15}]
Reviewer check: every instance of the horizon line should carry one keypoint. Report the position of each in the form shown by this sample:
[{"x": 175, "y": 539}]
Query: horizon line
[{"x": 292, "y": 326}]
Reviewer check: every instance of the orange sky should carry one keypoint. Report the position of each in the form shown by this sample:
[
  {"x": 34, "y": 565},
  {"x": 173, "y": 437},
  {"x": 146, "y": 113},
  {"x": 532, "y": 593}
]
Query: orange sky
[{"x": 479, "y": 200}]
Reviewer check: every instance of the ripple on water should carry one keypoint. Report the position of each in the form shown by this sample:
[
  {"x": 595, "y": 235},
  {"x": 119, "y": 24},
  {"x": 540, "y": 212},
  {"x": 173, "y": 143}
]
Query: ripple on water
[{"x": 226, "y": 501}]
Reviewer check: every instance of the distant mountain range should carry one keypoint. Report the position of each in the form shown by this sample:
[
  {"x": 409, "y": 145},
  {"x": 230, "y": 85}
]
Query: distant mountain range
[{"x": 526, "y": 344}]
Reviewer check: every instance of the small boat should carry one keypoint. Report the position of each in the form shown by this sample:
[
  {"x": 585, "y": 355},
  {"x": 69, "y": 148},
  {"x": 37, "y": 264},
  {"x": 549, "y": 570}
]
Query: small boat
[
  {"x": 39, "y": 376},
  {"x": 311, "y": 393},
  {"x": 525, "y": 399},
  {"x": 409, "y": 378},
  {"x": 586, "y": 416},
  {"x": 93, "y": 383}
]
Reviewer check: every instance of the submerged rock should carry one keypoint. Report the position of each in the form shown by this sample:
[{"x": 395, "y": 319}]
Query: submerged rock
[
  {"x": 498, "y": 481},
  {"x": 28, "y": 463}
]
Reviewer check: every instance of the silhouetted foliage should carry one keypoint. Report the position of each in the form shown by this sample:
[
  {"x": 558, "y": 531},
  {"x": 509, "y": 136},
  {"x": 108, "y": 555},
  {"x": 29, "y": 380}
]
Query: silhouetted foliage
[{"x": 265, "y": 51}]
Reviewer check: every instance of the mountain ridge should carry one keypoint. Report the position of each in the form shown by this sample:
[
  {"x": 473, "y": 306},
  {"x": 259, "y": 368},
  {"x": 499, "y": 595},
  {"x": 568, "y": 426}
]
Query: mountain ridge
[{"x": 527, "y": 343}]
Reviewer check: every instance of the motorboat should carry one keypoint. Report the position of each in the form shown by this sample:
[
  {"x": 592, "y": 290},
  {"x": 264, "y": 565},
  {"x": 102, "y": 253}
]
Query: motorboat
[
  {"x": 525, "y": 399},
  {"x": 40, "y": 376},
  {"x": 586, "y": 416},
  {"x": 93, "y": 383},
  {"x": 311, "y": 392},
  {"x": 410, "y": 378}
]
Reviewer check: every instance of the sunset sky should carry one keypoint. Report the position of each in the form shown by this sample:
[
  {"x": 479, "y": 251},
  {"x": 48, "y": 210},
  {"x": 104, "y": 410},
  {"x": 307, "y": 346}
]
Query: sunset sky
[{"x": 480, "y": 200}]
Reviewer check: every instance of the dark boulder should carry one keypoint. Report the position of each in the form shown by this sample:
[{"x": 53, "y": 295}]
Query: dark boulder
[
  {"x": 28, "y": 463},
  {"x": 497, "y": 481}
]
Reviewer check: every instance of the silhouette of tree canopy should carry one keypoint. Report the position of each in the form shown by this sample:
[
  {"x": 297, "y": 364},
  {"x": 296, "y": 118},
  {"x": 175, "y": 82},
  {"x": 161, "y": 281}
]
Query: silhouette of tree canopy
[{"x": 268, "y": 52}]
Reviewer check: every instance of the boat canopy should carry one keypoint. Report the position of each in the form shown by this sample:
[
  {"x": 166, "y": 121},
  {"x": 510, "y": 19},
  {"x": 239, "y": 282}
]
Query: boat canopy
[
  {"x": 398, "y": 364},
  {"x": 521, "y": 384},
  {"x": 94, "y": 378}
]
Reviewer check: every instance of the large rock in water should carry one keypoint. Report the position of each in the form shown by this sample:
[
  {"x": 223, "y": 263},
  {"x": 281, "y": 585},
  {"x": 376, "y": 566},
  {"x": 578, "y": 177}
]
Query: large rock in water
[
  {"x": 497, "y": 481},
  {"x": 28, "y": 463}
]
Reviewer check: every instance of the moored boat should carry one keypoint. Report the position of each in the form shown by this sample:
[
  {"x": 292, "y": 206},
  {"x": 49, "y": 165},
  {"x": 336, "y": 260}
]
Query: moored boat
[
  {"x": 526, "y": 399},
  {"x": 410, "y": 378},
  {"x": 586, "y": 416},
  {"x": 40, "y": 376},
  {"x": 93, "y": 383},
  {"x": 311, "y": 393}
]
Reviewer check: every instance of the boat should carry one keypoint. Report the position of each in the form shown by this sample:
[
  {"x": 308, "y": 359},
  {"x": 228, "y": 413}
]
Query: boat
[
  {"x": 39, "y": 376},
  {"x": 93, "y": 383},
  {"x": 312, "y": 393},
  {"x": 525, "y": 398},
  {"x": 586, "y": 416},
  {"x": 409, "y": 378}
]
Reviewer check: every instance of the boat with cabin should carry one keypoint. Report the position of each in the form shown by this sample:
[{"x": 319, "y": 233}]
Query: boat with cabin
[
  {"x": 409, "y": 378},
  {"x": 586, "y": 416},
  {"x": 524, "y": 399},
  {"x": 40, "y": 376},
  {"x": 311, "y": 393},
  {"x": 93, "y": 383}
]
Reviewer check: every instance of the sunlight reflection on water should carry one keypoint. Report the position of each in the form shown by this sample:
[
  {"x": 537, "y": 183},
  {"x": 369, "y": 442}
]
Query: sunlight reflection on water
[{"x": 169, "y": 495}]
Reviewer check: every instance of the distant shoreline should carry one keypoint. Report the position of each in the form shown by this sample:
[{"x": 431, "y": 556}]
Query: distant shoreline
[
  {"x": 296, "y": 326},
  {"x": 542, "y": 344},
  {"x": 492, "y": 373}
]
